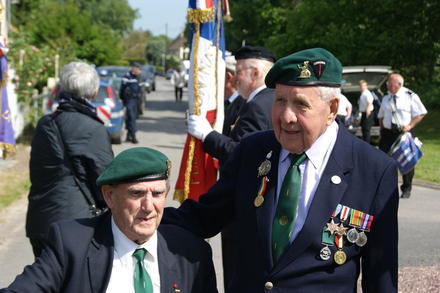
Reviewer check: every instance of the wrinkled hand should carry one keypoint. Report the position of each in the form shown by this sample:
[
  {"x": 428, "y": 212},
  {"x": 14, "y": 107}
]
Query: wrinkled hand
[{"x": 199, "y": 127}]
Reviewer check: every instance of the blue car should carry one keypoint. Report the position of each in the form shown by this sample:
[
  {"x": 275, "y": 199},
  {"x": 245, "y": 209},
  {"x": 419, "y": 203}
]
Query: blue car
[{"x": 110, "y": 109}]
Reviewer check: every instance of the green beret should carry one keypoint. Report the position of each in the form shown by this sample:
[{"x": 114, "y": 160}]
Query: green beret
[
  {"x": 311, "y": 67},
  {"x": 136, "y": 165}
]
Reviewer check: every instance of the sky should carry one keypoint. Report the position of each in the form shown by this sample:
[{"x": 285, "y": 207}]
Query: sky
[{"x": 161, "y": 16}]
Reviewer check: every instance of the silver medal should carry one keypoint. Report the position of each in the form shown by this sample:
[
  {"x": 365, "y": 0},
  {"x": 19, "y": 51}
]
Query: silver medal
[
  {"x": 352, "y": 235},
  {"x": 325, "y": 253},
  {"x": 362, "y": 239},
  {"x": 264, "y": 168}
]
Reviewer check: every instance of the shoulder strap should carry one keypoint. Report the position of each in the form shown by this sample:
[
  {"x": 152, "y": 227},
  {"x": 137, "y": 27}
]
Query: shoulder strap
[{"x": 84, "y": 190}]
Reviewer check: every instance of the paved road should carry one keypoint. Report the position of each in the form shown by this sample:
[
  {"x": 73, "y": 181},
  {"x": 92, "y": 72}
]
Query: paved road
[{"x": 163, "y": 127}]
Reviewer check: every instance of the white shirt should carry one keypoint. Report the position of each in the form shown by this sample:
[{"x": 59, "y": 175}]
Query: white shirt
[
  {"x": 255, "y": 92},
  {"x": 408, "y": 106},
  {"x": 344, "y": 103},
  {"x": 311, "y": 172},
  {"x": 121, "y": 279},
  {"x": 365, "y": 99}
]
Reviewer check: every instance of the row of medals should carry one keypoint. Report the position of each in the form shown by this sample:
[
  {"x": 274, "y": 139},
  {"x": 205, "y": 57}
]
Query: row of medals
[{"x": 353, "y": 236}]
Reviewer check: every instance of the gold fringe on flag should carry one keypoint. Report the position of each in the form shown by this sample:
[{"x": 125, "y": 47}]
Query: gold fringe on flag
[{"x": 200, "y": 15}]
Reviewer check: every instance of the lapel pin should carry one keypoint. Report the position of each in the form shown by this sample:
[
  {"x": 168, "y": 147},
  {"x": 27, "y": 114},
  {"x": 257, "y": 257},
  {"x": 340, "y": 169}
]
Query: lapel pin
[
  {"x": 336, "y": 179},
  {"x": 176, "y": 289}
]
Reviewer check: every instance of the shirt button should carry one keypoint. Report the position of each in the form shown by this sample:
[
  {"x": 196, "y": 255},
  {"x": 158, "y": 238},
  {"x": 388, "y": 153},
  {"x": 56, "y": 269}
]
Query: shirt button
[{"x": 268, "y": 285}]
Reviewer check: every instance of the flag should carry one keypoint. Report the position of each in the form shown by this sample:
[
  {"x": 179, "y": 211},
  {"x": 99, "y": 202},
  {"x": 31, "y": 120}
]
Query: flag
[
  {"x": 7, "y": 140},
  {"x": 198, "y": 170}
]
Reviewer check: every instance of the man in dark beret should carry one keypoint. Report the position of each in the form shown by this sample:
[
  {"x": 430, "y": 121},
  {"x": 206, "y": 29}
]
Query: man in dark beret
[
  {"x": 251, "y": 68},
  {"x": 313, "y": 206},
  {"x": 125, "y": 249}
]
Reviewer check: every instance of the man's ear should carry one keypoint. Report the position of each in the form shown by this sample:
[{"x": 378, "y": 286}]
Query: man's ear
[
  {"x": 333, "y": 104},
  {"x": 229, "y": 76},
  {"x": 107, "y": 192}
]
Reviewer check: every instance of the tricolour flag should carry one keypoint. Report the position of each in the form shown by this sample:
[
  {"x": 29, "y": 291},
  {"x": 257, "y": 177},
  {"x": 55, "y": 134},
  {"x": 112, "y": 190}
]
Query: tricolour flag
[
  {"x": 7, "y": 140},
  {"x": 198, "y": 171}
]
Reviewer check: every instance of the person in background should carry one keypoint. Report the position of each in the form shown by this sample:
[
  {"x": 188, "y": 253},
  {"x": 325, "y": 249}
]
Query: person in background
[
  {"x": 124, "y": 249},
  {"x": 401, "y": 110},
  {"x": 131, "y": 93},
  {"x": 313, "y": 206},
  {"x": 344, "y": 110},
  {"x": 69, "y": 150},
  {"x": 233, "y": 100},
  {"x": 178, "y": 80},
  {"x": 253, "y": 63},
  {"x": 366, "y": 107}
]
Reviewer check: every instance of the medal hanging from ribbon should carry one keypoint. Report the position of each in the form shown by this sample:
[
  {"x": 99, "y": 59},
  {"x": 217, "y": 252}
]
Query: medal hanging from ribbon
[
  {"x": 340, "y": 257},
  {"x": 259, "y": 199}
]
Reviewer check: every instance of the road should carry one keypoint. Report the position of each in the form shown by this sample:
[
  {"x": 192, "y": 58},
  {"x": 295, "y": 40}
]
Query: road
[{"x": 162, "y": 127}]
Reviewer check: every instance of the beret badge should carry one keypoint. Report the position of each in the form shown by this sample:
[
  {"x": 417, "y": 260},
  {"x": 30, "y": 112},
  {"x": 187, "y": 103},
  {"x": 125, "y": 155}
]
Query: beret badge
[
  {"x": 305, "y": 72},
  {"x": 318, "y": 67}
]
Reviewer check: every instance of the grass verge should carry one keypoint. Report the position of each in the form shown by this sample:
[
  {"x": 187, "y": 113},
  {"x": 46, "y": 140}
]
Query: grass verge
[
  {"x": 428, "y": 131},
  {"x": 14, "y": 177}
]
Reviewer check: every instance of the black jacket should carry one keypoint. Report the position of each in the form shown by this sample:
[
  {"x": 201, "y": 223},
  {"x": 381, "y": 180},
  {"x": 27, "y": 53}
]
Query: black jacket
[
  {"x": 130, "y": 88},
  {"x": 56, "y": 168},
  {"x": 79, "y": 258},
  {"x": 253, "y": 116}
]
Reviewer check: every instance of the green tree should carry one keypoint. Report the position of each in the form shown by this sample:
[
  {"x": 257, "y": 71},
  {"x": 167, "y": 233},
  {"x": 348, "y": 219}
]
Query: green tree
[
  {"x": 256, "y": 22},
  {"x": 156, "y": 48},
  {"x": 135, "y": 45},
  {"x": 64, "y": 28},
  {"x": 115, "y": 15}
]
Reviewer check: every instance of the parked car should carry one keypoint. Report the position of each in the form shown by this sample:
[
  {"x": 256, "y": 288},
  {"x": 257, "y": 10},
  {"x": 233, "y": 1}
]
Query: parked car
[
  {"x": 108, "y": 105},
  {"x": 169, "y": 73},
  {"x": 376, "y": 77},
  {"x": 148, "y": 78},
  {"x": 115, "y": 71}
]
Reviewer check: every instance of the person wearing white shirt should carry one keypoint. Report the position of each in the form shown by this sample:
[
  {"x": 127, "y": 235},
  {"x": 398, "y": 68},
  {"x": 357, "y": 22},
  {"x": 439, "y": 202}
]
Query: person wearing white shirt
[
  {"x": 366, "y": 107},
  {"x": 124, "y": 249},
  {"x": 401, "y": 110},
  {"x": 344, "y": 109}
]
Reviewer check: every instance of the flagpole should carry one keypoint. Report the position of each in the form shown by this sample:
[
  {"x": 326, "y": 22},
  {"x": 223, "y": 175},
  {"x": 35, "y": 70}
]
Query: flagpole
[{"x": 196, "y": 16}]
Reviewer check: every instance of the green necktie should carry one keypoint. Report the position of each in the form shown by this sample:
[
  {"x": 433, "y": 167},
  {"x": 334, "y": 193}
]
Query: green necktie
[
  {"x": 142, "y": 281},
  {"x": 282, "y": 225}
]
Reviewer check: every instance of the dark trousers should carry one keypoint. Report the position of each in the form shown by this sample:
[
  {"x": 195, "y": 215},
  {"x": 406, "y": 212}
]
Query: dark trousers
[
  {"x": 178, "y": 92},
  {"x": 387, "y": 138},
  {"x": 366, "y": 124},
  {"x": 131, "y": 110}
]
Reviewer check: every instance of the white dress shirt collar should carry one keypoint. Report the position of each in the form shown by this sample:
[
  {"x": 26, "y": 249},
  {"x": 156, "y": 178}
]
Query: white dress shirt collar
[
  {"x": 255, "y": 92},
  {"x": 125, "y": 247},
  {"x": 232, "y": 97},
  {"x": 315, "y": 153}
]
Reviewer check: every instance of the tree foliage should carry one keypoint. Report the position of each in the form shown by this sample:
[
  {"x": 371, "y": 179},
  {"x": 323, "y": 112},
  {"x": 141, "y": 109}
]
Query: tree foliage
[
  {"x": 77, "y": 29},
  {"x": 402, "y": 34}
]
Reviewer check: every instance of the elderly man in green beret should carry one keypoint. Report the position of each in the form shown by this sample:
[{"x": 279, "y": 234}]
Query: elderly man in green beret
[
  {"x": 313, "y": 206},
  {"x": 125, "y": 249}
]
